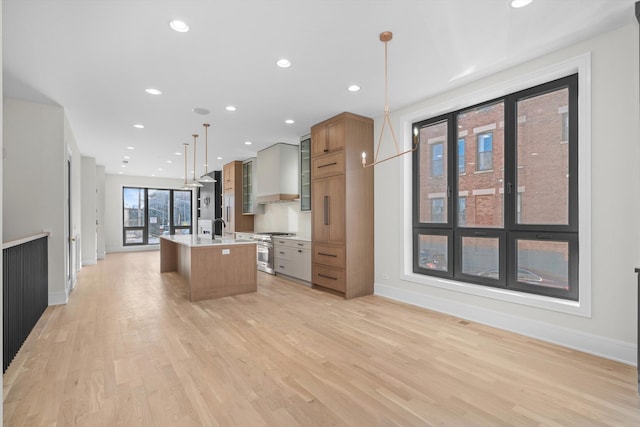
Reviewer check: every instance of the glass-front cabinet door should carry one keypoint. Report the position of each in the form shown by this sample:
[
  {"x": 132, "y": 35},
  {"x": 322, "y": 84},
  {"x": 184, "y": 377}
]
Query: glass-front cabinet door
[
  {"x": 247, "y": 187},
  {"x": 305, "y": 174}
]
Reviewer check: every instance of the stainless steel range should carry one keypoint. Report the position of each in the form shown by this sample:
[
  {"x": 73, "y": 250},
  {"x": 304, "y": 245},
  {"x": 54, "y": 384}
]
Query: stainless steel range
[{"x": 264, "y": 245}]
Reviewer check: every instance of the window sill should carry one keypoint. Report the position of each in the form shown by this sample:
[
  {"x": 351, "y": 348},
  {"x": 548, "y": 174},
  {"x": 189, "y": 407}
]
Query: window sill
[
  {"x": 487, "y": 171},
  {"x": 532, "y": 300}
]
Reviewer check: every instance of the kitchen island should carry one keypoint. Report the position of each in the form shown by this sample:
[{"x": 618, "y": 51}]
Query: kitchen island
[{"x": 213, "y": 268}]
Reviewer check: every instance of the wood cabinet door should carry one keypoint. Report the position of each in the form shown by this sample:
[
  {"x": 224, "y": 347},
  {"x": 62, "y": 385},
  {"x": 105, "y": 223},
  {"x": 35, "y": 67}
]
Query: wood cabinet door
[
  {"x": 327, "y": 138},
  {"x": 319, "y": 141},
  {"x": 229, "y": 214},
  {"x": 228, "y": 171},
  {"x": 328, "y": 214}
]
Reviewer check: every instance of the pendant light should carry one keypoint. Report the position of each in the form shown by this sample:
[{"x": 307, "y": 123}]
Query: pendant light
[
  {"x": 194, "y": 183},
  {"x": 386, "y": 37},
  {"x": 206, "y": 177},
  {"x": 185, "y": 186}
]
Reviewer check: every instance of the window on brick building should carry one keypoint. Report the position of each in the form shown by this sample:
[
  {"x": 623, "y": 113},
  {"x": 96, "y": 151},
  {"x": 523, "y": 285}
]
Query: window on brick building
[
  {"x": 514, "y": 226},
  {"x": 485, "y": 151},
  {"x": 461, "y": 156},
  {"x": 437, "y": 159}
]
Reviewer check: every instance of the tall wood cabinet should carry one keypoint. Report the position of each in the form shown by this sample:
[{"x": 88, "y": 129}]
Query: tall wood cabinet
[
  {"x": 342, "y": 200},
  {"x": 232, "y": 200}
]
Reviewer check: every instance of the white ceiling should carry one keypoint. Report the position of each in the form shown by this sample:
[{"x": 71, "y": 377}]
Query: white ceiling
[{"x": 96, "y": 57}]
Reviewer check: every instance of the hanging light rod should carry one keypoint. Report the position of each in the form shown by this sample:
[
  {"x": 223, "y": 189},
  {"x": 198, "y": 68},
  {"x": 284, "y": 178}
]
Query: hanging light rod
[
  {"x": 386, "y": 37},
  {"x": 206, "y": 177},
  {"x": 194, "y": 183},
  {"x": 185, "y": 186}
]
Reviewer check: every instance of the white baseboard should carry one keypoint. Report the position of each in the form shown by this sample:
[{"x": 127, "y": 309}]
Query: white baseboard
[
  {"x": 598, "y": 345},
  {"x": 89, "y": 262},
  {"x": 58, "y": 298}
]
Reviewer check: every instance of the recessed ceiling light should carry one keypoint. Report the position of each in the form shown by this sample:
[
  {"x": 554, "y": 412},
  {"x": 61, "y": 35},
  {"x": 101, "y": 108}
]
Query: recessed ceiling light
[
  {"x": 179, "y": 26},
  {"x": 127, "y": 157},
  {"x": 230, "y": 108},
  {"x": 169, "y": 161},
  {"x": 123, "y": 166},
  {"x": 520, "y": 3},
  {"x": 153, "y": 174},
  {"x": 138, "y": 126},
  {"x": 353, "y": 88},
  {"x": 131, "y": 148},
  {"x": 121, "y": 172},
  {"x": 283, "y": 63},
  {"x": 200, "y": 110},
  {"x": 160, "y": 169},
  {"x": 247, "y": 143},
  {"x": 153, "y": 91},
  {"x": 219, "y": 158},
  {"x": 177, "y": 153},
  {"x": 289, "y": 121}
]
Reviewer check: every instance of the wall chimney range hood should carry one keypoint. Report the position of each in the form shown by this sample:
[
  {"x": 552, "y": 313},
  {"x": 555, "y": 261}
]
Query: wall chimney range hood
[{"x": 278, "y": 174}]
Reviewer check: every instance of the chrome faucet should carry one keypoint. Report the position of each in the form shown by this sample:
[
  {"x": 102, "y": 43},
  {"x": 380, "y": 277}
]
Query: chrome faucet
[{"x": 223, "y": 226}]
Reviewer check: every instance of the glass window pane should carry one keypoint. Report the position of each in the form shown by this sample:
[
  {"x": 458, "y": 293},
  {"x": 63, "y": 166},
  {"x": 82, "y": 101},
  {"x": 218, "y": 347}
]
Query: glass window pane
[
  {"x": 543, "y": 158},
  {"x": 433, "y": 252},
  {"x": 133, "y": 205},
  {"x": 461, "y": 155},
  {"x": 158, "y": 214},
  {"x": 133, "y": 237},
  {"x": 482, "y": 130},
  {"x": 183, "y": 231},
  {"x": 480, "y": 256},
  {"x": 181, "y": 208},
  {"x": 433, "y": 173},
  {"x": 543, "y": 263}
]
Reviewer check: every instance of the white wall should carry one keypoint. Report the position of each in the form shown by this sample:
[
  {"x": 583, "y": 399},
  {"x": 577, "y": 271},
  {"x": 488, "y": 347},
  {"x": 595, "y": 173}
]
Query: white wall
[
  {"x": 89, "y": 233},
  {"x": 113, "y": 206},
  {"x": 100, "y": 181},
  {"x": 610, "y": 329},
  {"x": 285, "y": 216},
  {"x": 34, "y": 176}
]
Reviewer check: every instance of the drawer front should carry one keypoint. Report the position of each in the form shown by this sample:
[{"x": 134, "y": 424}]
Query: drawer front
[
  {"x": 328, "y": 277},
  {"x": 285, "y": 267},
  {"x": 329, "y": 165},
  {"x": 282, "y": 252},
  {"x": 332, "y": 256},
  {"x": 296, "y": 244}
]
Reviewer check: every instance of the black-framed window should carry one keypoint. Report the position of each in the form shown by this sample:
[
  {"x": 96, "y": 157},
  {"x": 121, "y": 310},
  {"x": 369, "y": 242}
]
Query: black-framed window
[
  {"x": 149, "y": 213},
  {"x": 515, "y": 225}
]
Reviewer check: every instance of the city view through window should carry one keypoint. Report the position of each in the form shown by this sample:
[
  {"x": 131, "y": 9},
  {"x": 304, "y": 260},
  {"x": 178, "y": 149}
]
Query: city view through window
[{"x": 513, "y": 220}]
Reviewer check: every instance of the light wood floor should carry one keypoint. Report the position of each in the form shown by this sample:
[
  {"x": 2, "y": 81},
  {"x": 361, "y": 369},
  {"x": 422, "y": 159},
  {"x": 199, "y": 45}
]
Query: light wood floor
[{"x": 129, "y": 349}]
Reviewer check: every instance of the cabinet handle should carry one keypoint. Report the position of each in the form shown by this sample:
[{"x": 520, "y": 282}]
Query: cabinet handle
[
  {"x": 327, "y": 277},
  {"x": 282, "y": 267},
  {"x": 299, "y": 251},
  {"x": 281, "y": 253},
  {"x": 331, "y": 255},
  {"x": 326, "y": 150},
  {"x": 300, "y": 244},
  {"x": 326, "y": 210},
  {"x": 328, "y": 164}
]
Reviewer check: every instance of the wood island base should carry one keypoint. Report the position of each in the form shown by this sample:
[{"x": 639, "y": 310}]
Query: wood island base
[{"x": 213, "y": 271}]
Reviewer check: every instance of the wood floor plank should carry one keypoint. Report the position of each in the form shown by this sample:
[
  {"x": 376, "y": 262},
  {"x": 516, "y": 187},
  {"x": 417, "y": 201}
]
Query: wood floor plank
[{"x": 130, "y": 349}]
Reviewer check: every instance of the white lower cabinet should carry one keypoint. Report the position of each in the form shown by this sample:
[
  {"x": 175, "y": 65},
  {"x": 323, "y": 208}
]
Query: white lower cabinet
[{"x": 293, "y": 258}]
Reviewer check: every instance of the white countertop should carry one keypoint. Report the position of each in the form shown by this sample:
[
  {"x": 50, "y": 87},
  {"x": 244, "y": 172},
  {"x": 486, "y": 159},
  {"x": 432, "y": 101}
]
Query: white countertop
[{"x": 204, "y": 240}]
